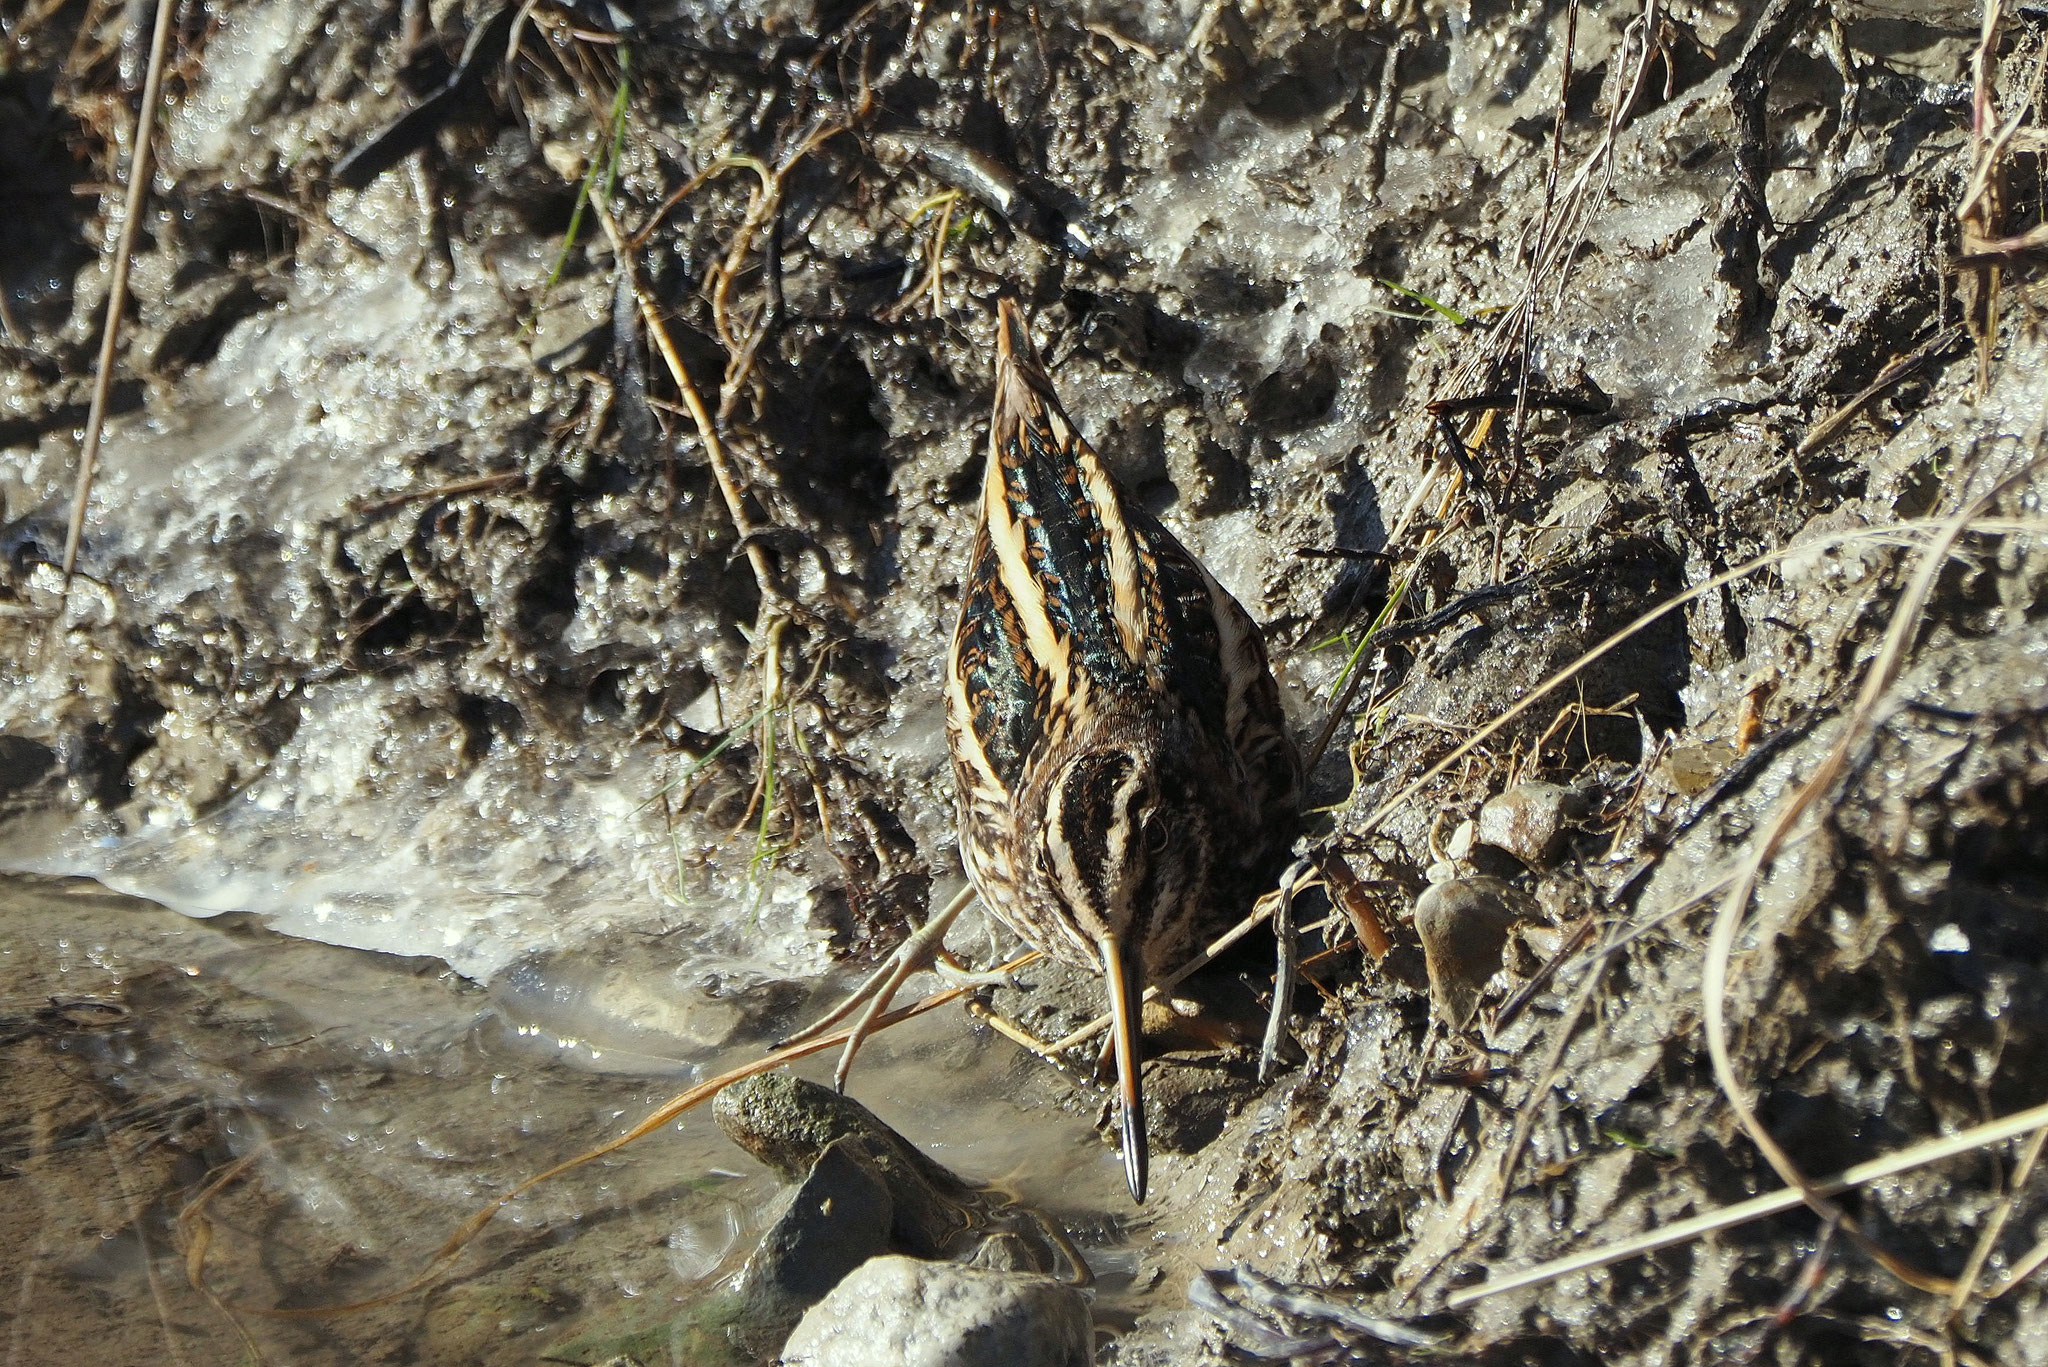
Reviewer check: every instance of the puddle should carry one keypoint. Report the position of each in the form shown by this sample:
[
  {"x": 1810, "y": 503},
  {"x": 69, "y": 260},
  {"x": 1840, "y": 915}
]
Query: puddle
[{"x": 378, "y": 1101}]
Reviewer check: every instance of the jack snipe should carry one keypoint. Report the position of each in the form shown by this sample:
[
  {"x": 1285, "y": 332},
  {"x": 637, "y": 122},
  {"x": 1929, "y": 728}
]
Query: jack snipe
[
  {"x": 1123, "y": 770},
  {"x": 1122, "y": 765}
]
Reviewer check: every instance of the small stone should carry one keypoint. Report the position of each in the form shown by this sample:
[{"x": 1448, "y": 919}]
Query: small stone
[
  {"x": 909, "y": 1313},
  {"x": 1694, "y": 767},
  {"x": 1585, "y": 504},
  {"x": 1004, "y": 1252},
  {"x": 1527, "y": 821},
  {"x": 1530, "y": 946},
  {"x": 1463, "y": 925},
  {"x": 790, "y": 1123},
  {"x": 563, "y": 159}
]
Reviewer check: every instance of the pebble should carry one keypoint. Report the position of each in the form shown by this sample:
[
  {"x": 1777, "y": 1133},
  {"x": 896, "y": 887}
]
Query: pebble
[
  {"x": 1463, "y": 925},
  {"x": 1694, "y": 768},
  {"x": 1528, "y": 821},
  {"x": 903, "y": 1312}
]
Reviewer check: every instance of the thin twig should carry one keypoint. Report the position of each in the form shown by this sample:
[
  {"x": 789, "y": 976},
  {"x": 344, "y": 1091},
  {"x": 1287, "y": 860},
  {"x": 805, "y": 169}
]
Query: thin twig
[
  {"x": 117, "y": 292},
  {"x": 1352, "y": 675}
]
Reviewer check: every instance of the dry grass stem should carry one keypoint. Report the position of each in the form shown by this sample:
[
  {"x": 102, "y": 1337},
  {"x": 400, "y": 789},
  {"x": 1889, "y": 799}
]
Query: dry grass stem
[
  {"x": 1982, "y": 209},
  {"x": 1016, "y": 1034},
  {"x": 137, "y": 1221},
  {"x": 1560, "y": 232},
  {"x": 1756, "y": 1208},
  {"x": 693, "y": 399},
  {"x": 1861, "y": 720},
  {"x": 1908, "y": 531},
  {"x": 117, "y": 293},
  {"x": 1987, "y": 1239},
  {"x": 193, "y": 1218},
  {"x": 2021, "y": 1270},
  {"x": 1837, "y": 422},
  {"x": 1355, "y": 676}
]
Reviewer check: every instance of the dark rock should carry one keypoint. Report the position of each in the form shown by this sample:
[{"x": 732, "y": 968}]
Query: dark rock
[
  {"x": 837, "y": 1219},
  {"x": 789, "y": 1124}
]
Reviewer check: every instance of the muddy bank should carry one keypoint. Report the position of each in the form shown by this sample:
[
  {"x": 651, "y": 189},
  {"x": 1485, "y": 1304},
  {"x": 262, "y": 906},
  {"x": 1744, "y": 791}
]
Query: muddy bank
[{"x": 422, "y": 609}]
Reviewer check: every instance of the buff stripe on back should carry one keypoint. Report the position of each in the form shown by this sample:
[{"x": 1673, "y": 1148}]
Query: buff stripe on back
[{"x": 1066, "y": 519}]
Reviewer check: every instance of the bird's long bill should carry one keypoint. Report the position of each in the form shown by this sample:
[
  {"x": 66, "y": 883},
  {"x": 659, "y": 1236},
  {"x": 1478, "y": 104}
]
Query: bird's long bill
[{"x": 1126, "y": 1006}]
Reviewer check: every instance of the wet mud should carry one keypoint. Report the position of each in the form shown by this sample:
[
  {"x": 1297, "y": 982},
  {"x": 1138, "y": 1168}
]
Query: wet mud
[{"x": 421, "y": 608}]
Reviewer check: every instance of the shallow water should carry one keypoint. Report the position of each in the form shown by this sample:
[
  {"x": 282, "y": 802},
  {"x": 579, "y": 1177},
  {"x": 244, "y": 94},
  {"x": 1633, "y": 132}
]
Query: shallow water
[{"x": 378, "y": 1102}]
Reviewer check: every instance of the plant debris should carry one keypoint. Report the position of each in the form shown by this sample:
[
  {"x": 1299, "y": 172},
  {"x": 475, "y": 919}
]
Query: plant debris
[{"x": 534, "y": 473}]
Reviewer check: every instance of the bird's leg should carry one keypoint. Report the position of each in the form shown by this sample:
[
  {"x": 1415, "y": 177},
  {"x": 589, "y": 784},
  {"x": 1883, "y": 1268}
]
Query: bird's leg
[
  {"x": 921, "y": 951},
  {"x": 966, "y": 979}
]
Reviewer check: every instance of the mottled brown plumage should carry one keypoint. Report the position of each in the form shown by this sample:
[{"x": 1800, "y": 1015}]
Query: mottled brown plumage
[{"x": 1122, "y": 764}]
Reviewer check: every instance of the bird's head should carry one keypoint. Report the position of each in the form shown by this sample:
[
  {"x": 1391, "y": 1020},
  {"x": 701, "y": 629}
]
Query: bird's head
[{"x": 1125, "y": 845}]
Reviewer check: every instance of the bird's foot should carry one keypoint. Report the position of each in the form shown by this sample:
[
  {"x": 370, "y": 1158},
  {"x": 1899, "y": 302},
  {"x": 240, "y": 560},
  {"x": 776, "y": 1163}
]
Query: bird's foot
[{"x": 923, "y": 950}]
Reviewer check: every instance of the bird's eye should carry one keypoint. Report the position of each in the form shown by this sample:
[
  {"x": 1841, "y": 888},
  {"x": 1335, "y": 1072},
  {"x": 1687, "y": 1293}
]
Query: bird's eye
[{"x": 1155, "y": 833}]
